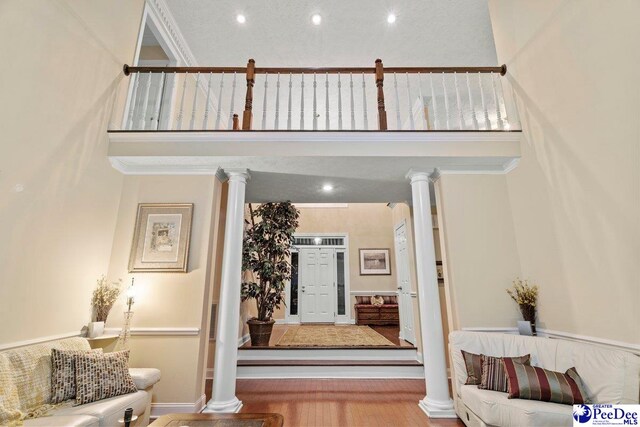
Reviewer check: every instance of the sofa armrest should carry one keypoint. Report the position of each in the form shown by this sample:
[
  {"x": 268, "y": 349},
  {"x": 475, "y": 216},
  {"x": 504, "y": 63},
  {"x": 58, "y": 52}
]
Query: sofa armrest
[{"x": 144, "y": 377}]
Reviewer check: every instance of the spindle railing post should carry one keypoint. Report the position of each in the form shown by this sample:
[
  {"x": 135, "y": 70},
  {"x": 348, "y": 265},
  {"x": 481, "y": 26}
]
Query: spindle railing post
[
  {"x": 247, "y": 115},
  {"x": 382, "y": 113}
]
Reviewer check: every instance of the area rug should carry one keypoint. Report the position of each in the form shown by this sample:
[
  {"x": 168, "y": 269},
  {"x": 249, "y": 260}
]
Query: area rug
[{"x": 332, "y": 336}]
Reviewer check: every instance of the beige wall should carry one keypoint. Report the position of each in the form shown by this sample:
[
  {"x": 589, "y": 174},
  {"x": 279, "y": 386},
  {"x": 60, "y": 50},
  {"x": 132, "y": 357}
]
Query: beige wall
[
  {"x": 575, "y": 196},
  {"x": 480, "y": 253},
  {"x": 60, "y": 63},
  {"x": 171, "y": 300},
  {"x": 368, "y": 225}
]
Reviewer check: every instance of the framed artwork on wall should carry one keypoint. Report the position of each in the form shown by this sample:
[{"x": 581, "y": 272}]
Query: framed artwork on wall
[
  {"x": 161, "y": 238},
  {"x": 374, "y": 262}
]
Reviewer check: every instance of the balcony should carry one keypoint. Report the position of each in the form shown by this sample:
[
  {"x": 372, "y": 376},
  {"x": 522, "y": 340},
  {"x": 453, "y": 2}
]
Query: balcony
[{"x": 177, "y": 119}]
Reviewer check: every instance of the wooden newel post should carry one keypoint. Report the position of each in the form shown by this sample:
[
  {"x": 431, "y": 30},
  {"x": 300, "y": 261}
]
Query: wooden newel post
[
  {"x": 236, "y": 122},
  {"x": 382, "y": 114},
  {"x": 247, "y": 115}
]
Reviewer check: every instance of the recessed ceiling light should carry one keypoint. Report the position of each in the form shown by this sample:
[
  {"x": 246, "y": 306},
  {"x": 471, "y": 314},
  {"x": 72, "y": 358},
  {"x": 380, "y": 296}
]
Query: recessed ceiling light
[
  {"x": 327, "y": 188},
  {"x": 241, "y": 19},
  {"x": 391, "y": 18},
  {"x": 316, "y": 19}
]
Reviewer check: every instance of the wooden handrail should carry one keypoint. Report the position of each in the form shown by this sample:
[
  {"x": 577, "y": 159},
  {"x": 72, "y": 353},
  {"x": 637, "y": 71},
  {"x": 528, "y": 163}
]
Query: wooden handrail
[{"x": 502, "y": 70}]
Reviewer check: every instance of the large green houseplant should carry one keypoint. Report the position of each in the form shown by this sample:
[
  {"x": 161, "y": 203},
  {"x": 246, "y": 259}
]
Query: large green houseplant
[{"x": 266, "y": 258}]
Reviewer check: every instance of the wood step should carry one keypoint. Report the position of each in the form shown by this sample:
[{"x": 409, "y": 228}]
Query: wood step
[
  {"x": 352, "y": 354},
  {"x": 329, "y": 369}
]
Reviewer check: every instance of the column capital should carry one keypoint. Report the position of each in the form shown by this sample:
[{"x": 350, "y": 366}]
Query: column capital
[
  {"x": 415, "y": 175},
  {"x": 237, "y": 174}
]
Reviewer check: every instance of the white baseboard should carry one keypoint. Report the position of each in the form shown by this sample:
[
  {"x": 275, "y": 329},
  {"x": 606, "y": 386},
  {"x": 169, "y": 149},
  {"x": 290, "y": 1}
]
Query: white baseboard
[
  {"x": 542, "y": 332},
  {"x": 369, "y": 293},
  {"x": 159, "y": 409}
]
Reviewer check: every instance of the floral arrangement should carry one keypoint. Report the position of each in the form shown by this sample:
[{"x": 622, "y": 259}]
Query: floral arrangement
[
  {"x": 104, "y": 296},
  {"x": 526, "y": 296}
]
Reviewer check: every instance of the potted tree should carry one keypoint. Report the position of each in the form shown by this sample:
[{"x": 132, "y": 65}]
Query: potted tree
[{"x": 265, "y": 257}]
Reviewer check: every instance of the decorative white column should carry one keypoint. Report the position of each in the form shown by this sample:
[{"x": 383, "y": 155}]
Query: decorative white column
[
  {"x": 226, "y": 358},
  {"x": 437, "y": 403}
]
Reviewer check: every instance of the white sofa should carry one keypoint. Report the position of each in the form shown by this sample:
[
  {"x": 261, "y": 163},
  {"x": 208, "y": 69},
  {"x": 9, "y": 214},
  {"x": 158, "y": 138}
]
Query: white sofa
[
  {"x": 610, "y": 376},
  {"x": 25, "y": 377}
]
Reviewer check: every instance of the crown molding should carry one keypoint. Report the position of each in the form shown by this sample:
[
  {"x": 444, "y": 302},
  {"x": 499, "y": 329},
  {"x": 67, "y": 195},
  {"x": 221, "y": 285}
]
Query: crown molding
[{"x": 169, "y": 26}]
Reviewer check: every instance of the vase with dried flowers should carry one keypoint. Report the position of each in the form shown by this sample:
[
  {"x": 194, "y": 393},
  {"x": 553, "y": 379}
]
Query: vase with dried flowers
[
  {"x": 526, "y": 296},
  {"x": 104, "y": 296}
]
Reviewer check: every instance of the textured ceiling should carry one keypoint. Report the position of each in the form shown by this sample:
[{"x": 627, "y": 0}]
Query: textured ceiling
[{"x": 352, "y": 32}]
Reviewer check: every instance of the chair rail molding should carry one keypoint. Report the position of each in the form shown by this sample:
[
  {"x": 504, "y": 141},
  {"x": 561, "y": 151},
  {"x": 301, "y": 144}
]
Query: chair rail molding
[
  {"x": 167, "y": 331},
  {"x": 549, "y": 333}
]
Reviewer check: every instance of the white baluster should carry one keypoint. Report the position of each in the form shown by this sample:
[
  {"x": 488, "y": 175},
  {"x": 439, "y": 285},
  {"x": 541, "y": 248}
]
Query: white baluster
[
  {"x": 219, "y": 113},
  {"x": 145, "y": 103},
  {"x": 206, "y": 104},
  {"x": 353, "y": 114},
  {"x": 195, "y": 100},
  {"x": 233, "y": 100},
  {"x": 458, "y": 103},
  {"x": 506, "y": 116},
  {"x": 289, "y": 104},
  {"x": 495, "y": 102},
  {"x": 339, "y": 103},
  {"x": 364, "y": 103},
  {"x": 172, "y": 84},
  {"x": 181, "y": 109},
  {"x": 327, "y": 123},
  {"x": 156, "y": 108},
  {"x": 276, "y": 123},
  {"x": 302, "y": 103},
  {"x": 446, "y": 101},
  {"x": 487, "y": 122},
  {"x": 412, "y": 123},
  {"x": 436, "y": 122},
  {"x": 134, "y": 96},
  {"x": 425, "y": 124},
  {"x": 315, "y": 104},
  {"x": 474, "y": 117},
  {"x": 264, "y": 102},
  {"x": 395, "y": 89}
]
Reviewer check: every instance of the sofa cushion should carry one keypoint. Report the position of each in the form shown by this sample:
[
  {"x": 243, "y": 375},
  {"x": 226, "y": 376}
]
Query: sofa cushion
[
  {"x": 63, "y": 374},
  {"x": 532, "y": 382},
  {"x": 99, "y": 376},
  {"x": 30, "y": 369},
  {"x": 63, "y": 420},
  {"x": 493, "y": 375},
  {"x": 144, "y": 377},
  {"x": 9, "y": 399},
  {"x": 473, "y": 364},
  {"x": 109, "y": 411},
  {"x": 496, "y": 409}
]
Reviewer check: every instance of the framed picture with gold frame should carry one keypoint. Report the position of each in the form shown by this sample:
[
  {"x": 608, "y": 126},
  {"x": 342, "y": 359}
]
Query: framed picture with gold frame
[{"x": 161, "y": 238}]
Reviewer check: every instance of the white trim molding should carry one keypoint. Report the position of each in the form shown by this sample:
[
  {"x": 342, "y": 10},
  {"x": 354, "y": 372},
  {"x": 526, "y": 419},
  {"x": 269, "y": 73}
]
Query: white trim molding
[
  {"x": 170, "y": 331},
  {"x": 548, "y": 333},
  {"x": 159, "y": 409},
  {"x": 39, "y": 340},
  {"x": 167, "y": 24},
  {"x": 374, "y": 292}
]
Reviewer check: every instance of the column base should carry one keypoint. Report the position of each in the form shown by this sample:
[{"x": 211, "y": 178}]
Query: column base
[
  {"x": 437, "y": 409},
  {"x": 230, "y": 406}
]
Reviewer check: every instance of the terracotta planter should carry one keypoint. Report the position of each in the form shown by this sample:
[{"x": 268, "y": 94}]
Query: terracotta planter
[{"x": 260, "y": 332}]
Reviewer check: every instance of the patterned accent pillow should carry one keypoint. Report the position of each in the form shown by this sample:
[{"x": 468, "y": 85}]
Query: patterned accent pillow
[
  {"x": 473, "y": 363},
  {"x": 63, "y": 373},
  {"x": 99, "y": 376},
  {"x": 534, "y": 383},
  {"x": 493, "y": 376}
]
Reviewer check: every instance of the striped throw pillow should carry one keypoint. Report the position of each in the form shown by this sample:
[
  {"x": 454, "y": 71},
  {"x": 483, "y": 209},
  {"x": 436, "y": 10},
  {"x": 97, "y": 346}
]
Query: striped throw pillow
[
  {"x": 493, "y": 376},
  {"x": 534, "y": 383},
  {"x": 473, "y": 363}
]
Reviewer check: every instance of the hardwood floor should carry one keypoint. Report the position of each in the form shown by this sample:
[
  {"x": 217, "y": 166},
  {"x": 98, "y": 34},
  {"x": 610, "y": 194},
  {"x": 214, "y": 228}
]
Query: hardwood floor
[{"x": 337, "y": 402}]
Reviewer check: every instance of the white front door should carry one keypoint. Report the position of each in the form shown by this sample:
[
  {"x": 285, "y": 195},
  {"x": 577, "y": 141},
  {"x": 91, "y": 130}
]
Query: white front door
[
  {"x": 405, "y": 302},
  {"x": 316, "y": 283}
]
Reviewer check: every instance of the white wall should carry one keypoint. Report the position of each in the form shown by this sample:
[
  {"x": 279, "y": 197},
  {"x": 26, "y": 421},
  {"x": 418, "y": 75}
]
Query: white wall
[
  {"x": 60, "y": 63},
  {"x": 575, "y": 196}
]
